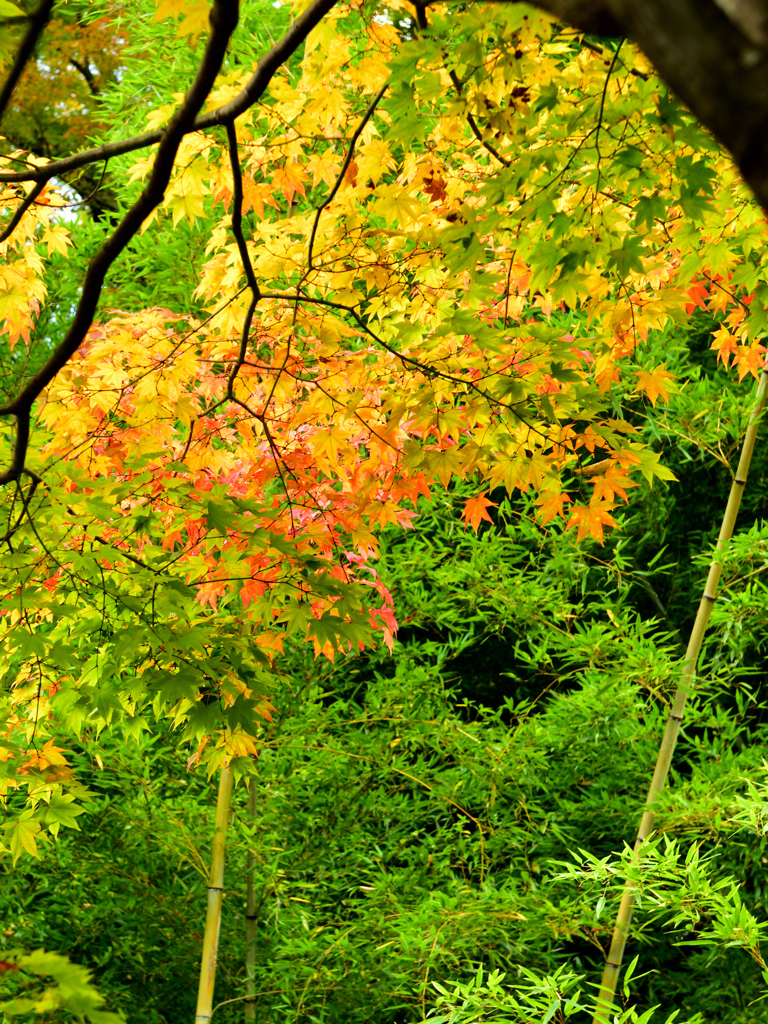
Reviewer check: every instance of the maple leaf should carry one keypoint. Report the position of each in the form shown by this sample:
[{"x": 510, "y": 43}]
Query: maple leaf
[
  {"x": 21, "y": 834},
  {"x": 552, "y": 504},
  {"x": 725, "y": 344},
  {"x": 750, "y": 359},
  {"x": 590, "y": 519},
  {"x": 194, "y": 14},
  {"x": 655, "y": 383},
  {"x": 476, "y": 510},
  {"x": 255, "y": 195},
  {"x": 612, "y": 482},
  {"x": 324, "y": 167},
  {"x": 698, "y": 292},
  {"x": 289, "y": 180}
]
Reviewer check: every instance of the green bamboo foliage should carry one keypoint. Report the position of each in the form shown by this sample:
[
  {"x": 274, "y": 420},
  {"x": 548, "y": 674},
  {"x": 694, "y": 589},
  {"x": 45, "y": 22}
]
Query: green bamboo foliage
[
  {"x": 250, "y": 919},
  {"x": 676, "y": 715},
  {"x": 215, "y": 896}
]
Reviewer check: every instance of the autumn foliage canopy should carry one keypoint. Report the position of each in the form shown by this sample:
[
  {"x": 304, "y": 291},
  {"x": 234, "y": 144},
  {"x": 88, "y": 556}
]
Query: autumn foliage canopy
[{"x": 436, "y": 243}]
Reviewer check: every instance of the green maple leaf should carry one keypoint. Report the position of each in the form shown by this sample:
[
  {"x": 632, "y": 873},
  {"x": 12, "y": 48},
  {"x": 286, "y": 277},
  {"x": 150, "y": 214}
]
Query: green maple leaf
[
  {"x": 20, "y": 835},
  {"x": 62, "y": 810}
]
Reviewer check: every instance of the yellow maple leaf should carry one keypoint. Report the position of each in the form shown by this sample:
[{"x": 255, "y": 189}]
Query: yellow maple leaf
[
  {"x": 324, "y": 167},
  {"x": 655, "y": 383},
  {"x": 57, "y": 239},
  {"x": 194, "y": 15}
]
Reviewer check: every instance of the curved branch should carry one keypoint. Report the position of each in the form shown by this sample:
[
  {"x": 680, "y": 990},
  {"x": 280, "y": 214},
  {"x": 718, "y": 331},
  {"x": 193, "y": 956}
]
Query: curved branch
[
  {"x": 226, "y": 114},
  {"x": 245, "y": 258}
]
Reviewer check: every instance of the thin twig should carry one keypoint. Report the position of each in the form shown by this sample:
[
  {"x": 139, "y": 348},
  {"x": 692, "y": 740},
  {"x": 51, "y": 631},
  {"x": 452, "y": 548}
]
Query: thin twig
[{"x": 344, "y": 168}]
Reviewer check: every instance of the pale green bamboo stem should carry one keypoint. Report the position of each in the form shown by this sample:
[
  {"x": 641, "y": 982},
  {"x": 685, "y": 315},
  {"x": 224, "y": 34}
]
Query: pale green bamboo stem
[
  {"x": 215, "y": 896},
  {"x": 675, "y": 719},
  {"x": 250, "y": 918}
]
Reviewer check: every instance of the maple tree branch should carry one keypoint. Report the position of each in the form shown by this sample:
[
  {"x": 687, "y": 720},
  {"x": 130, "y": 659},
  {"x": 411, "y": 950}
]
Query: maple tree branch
[
  {"x": 421, "y": 20},
  {"x": 225, "y": 114},
  {"x": 223, "y": 19},
  {"x": 22, "y": 209},
  {"x": 237, "y": 209},
  {"x": 473, "y": 124},
  {"x": 344, "y": 168},
  {"x": 34, "y": 482},
  {"x": 408, "y": 361},
  {"x": 601, "y": 112},
  {"x": 245, "y": 258},
  {"x": 37, "y": 23}
]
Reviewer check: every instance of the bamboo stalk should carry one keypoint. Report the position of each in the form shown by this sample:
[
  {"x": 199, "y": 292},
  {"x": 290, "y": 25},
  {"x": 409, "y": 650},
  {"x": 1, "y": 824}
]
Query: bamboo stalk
[
  {"x": 250, "y": 918},
  {"x": 215, "y": 895},
  {"x": 675, "y": 719}
]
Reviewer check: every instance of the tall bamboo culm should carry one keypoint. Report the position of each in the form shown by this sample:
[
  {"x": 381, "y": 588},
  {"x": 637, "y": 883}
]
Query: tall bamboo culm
[
  {"x": 675, "y": 719},
  {"x": 250, "y": 918},
  {"x": 215, "y": 896}
]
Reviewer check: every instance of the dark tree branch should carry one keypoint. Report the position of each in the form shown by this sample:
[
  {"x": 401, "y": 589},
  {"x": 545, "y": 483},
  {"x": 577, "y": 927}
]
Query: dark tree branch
[
  {"x": 253, "y": 91},
  {"x": 422, "y": 22},
  {"x": 37, "y": 23},
  {"x": 245, "y": 256},
  {"x": 85, "y": 71}
]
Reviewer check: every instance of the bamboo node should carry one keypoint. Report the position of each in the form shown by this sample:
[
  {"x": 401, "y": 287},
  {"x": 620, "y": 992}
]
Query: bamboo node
[
  {"x": 707, "y": 597},
  {"x": 741, "y": 483}
]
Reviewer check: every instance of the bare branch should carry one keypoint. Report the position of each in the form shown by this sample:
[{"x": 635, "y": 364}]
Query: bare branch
[
  {"x": 37, "y": 23},
  {"x": 245, "y": 257}
]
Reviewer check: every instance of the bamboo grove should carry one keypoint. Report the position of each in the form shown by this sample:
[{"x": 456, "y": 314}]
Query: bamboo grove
[{"x": 436, "y": 245}]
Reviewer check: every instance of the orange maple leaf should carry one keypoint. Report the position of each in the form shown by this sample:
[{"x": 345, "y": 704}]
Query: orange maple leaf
[
  {"x": 552, "y": 504},
  {"x": 654, "y": 382},
  {"x": 476, "y": 509},
  {"x": 289, "y": 180},
  {"x": 749, "y": 359},
  {"x": 725, "y": 345},
  {"x": 612, "y": 482},
  {"x": 698, "y": 292},
  {"x": 590, "y": 519}
]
